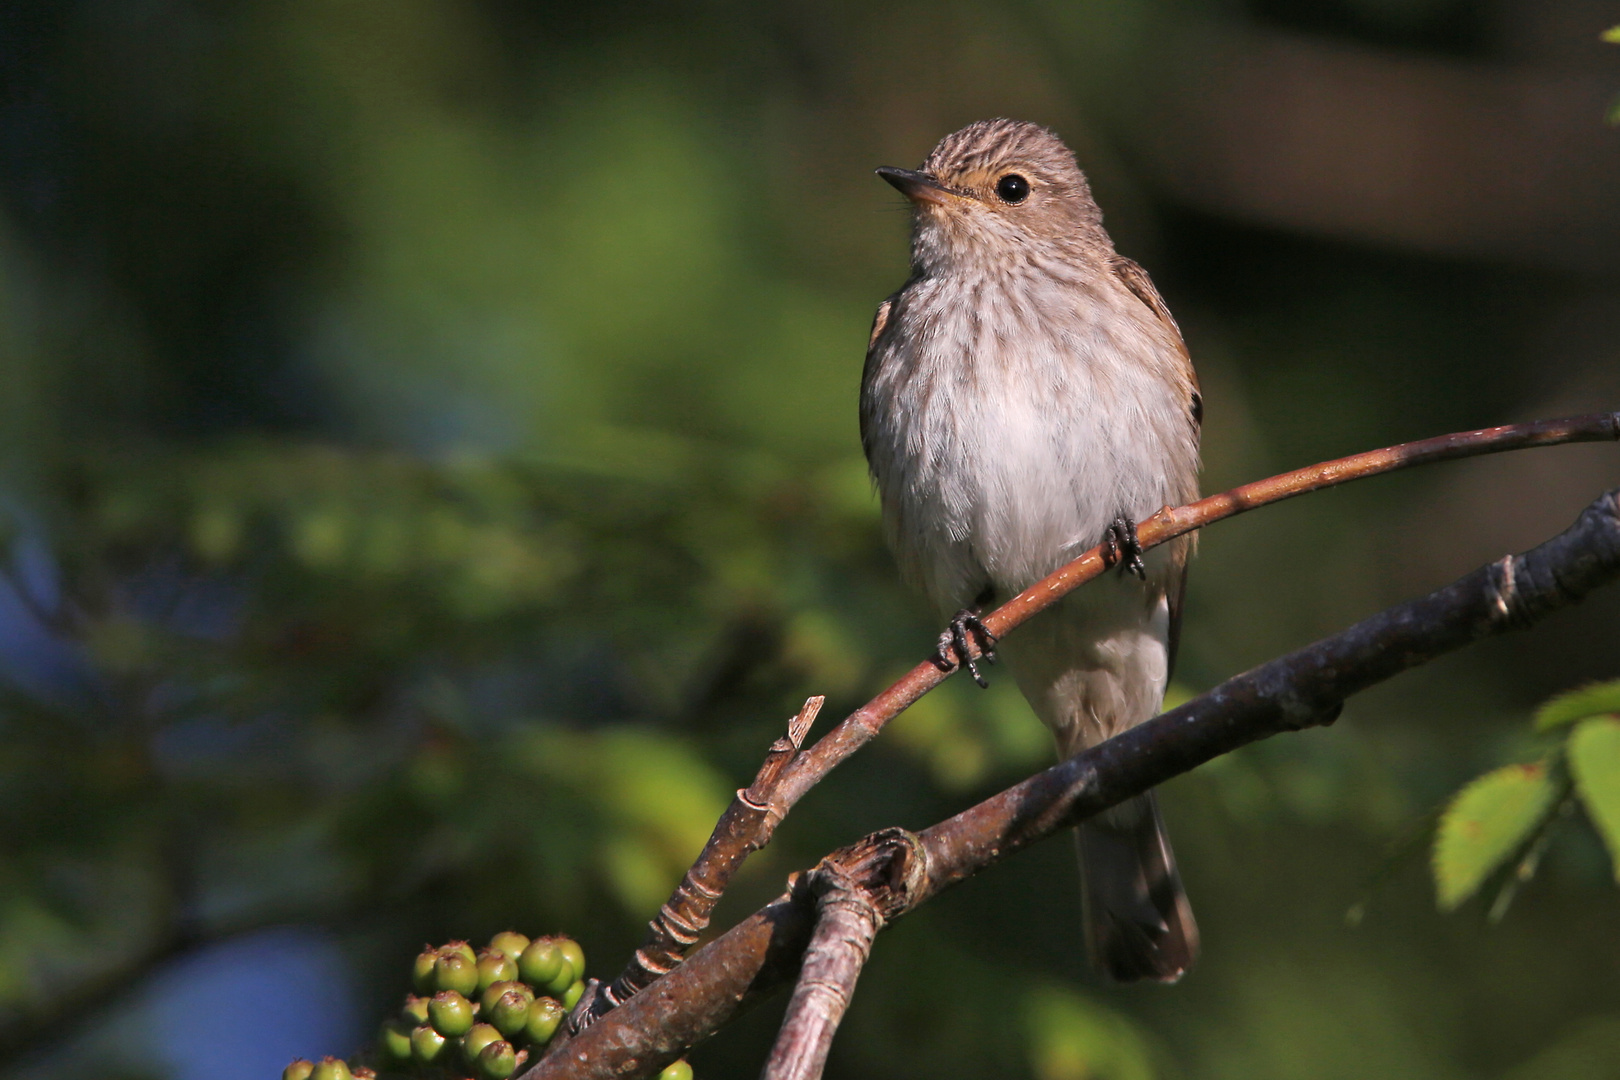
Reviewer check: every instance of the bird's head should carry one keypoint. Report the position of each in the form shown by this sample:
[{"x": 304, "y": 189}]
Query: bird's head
[{"x": 994, "y": 191}]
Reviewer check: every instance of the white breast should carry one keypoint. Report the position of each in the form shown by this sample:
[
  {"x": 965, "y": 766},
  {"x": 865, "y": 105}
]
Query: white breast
[{"x": 1005, "y": 434}]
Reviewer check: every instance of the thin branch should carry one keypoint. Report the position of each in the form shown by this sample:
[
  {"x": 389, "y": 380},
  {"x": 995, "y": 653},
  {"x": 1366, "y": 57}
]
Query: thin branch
[
  {"x": 740, "y": 830},
  {"x": 848, "y": 918},
  {"x": 1300, "y": 690}
]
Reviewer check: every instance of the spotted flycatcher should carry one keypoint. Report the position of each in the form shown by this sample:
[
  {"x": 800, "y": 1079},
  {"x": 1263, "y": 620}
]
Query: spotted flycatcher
[{"x": 1026, "y": 396}]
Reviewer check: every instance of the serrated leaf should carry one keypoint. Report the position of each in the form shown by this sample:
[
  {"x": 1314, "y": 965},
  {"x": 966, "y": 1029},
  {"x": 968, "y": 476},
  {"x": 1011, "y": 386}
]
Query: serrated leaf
[
  {"x": 1485, "y": 824},
  {"x": 1593, "y": 699},
  {"x": 1594, "y": 760}
]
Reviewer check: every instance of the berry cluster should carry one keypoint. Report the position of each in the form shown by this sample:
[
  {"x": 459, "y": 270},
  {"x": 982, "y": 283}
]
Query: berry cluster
[{"x": 475, "y": 1015}]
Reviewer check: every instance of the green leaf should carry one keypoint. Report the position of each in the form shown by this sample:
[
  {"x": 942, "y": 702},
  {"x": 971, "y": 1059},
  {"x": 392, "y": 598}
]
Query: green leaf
[
  {"x": 1594, "y": 759},
  {"x": 1594, "y": 699},
  {"x": 1486, "y": 823}
]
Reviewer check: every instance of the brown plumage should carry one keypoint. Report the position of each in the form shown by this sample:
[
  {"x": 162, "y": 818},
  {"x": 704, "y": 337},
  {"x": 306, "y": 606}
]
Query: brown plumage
[{"x": 1025, "y": 390}]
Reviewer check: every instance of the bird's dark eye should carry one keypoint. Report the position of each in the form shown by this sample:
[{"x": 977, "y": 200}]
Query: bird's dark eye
[{"x": 1012, "y": 188}]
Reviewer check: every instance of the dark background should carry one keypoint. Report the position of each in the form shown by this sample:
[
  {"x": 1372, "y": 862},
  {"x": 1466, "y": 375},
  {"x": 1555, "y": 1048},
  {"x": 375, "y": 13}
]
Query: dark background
[{"x": 430, "y": 478}]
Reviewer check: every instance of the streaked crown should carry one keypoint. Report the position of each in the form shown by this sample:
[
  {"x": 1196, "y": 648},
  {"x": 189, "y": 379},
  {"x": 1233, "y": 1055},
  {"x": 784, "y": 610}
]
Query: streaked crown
[{"x": 995, "y": 186}]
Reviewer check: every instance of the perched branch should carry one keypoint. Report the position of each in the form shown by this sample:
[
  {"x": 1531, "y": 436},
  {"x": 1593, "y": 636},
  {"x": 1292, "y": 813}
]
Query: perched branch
[
  {"x": 740, "y": 830},
  {"x": 860, "y": 726},
  {"x": 1296, "y": 691}
]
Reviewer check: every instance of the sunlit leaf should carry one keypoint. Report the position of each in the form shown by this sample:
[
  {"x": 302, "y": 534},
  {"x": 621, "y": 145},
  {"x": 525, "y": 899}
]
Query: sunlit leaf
[
  {"x": 1594, "y": 760},
  {"x": 1486, "y": 823},
  {"x": 1594, "y": 699}
]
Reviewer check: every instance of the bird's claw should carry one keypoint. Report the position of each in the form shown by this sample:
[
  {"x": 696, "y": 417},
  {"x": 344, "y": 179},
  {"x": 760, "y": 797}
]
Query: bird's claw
[
  {"x": 965, "y": 642},
  {"x": 1124, "y": 550}
]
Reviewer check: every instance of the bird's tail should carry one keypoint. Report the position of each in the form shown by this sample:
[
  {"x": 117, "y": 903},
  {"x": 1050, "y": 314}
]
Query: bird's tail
[{"x": 1138, "y": 922}]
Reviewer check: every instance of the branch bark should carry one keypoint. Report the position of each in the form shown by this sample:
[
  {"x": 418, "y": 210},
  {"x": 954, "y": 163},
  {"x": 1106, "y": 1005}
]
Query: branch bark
[
  {"x": 848, "y": 916},
  {"x": 1296, "y": 691},
  {"x": 847, "y": 923},
  {"x": 685, "y": 915}
]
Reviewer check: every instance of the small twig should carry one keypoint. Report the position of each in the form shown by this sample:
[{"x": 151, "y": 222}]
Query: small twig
[
  {"x": 848, "y": 918},
  {"x": 860, "y": 726},
  {"x": 781, "y": 754},
  {"x": 684, "y": 917},
  {"x": 846, "y": 925},
  {"x": 1296, "y": 691}
]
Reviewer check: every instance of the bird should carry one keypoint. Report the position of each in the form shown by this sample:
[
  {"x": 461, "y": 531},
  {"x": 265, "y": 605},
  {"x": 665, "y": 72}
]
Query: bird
[{"x": 1026, "y": 396}]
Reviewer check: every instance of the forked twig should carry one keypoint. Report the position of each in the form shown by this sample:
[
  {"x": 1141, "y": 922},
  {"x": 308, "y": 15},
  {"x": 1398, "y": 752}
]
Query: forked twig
[
  {"x": 787, "y": 774},
  {"x": 1302, "y": 689},
  {"x": 849, "y": 913}
]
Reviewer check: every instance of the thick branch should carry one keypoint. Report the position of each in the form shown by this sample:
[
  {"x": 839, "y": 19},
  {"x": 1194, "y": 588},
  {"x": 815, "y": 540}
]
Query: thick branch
[{"x": 1296, "y": 691}]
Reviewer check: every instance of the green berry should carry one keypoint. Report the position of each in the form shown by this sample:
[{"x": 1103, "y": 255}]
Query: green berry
[
  {"x": 461, "y": 947},
  {"x": 493, "y": 994},
  {"x": 364, "y": 1073},
  {"x": 575, "y": 955},
  {"x": 511, "y": 1012},
  {"x": 298, "y": 1069},
  {"x": 394, "y": 1042},
  {"x": 427, "y": 1045},
  {"x": 572, "y": 995},
  {"x": 422, "y": 970},
  {"x": 473, "y": 1043},
  {"x": 450, "y": 1014},
  {"x": 497, "y": 1061},
  {"x": 511, "y": 943},
  {"x": 331, "y": 1068},
  {"x": 494, "y": 966},
  {"x": 415, "y": 1012},
  {"x": 676, "y": 1070},
  {"x": 544, "y": 1017},
  {"x": 540, "y": 963},
  {"x": 456, "y": 973},
  {"x": 566, "y": 977}
]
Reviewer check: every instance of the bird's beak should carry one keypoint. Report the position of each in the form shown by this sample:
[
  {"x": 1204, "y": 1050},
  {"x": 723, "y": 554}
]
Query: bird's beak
[{"x": 919, "y": 187}]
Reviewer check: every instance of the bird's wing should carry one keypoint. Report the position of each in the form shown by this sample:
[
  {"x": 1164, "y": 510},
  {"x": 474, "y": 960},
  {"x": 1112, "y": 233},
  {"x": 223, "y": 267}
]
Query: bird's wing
[
  {"x": 1136, "y": 279},
  {"x": 880, "y": 322}
]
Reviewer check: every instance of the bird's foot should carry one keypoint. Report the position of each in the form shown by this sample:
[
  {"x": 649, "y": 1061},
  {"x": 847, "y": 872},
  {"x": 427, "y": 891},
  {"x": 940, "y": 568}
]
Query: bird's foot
[
  {"x": 1123, "y": 549},
  {"x": 964, "y": 643}
]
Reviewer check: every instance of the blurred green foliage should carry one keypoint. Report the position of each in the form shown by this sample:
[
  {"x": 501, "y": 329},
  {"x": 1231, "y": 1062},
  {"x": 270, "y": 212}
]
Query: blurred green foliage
[{"x": 429, "y": 474}]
